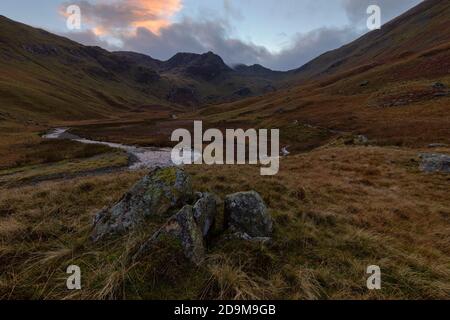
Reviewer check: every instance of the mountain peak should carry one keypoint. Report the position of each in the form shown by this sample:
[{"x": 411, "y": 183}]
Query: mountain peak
[{"x": 206, "y": 66}]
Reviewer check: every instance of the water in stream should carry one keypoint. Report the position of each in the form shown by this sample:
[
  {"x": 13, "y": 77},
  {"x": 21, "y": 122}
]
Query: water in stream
[{"x": 143, "y": 157}]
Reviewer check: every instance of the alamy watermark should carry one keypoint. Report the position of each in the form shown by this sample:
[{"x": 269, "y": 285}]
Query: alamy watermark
[
  {"x": 237, "y": 147},
  {"x": 74, "y": 280},
  {"x": 73, "y": 21},
  {"x": 374, "y": 280},
  {"x": 374, "y": 19}
]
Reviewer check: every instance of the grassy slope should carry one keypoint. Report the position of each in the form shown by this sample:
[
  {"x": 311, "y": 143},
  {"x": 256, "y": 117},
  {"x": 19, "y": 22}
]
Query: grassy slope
[
  {"x": 421, "y": 28},
  {"x": 400, "y": 62},
  {"x": 45, "y": 77},
  {"x": 333, "y": 218},
  {"x": 397, "y": 103}
]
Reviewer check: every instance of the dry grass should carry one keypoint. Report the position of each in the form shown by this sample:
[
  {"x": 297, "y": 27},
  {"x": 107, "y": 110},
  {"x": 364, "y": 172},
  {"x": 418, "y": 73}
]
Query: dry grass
[
  {"x": 46, "y": 228},
  {"x": 337, "y": 210}
]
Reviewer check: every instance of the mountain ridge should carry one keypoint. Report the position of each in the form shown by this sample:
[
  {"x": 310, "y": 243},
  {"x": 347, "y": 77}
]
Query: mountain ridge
[{"x": 99, "y": 82}]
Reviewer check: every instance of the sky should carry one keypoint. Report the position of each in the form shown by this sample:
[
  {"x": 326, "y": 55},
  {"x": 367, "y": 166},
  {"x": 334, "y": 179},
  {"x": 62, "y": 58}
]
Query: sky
[{"x": 279, "y": 34}]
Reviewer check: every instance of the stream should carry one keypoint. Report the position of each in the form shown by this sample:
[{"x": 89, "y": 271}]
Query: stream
[{"x": 141, "y": 157}]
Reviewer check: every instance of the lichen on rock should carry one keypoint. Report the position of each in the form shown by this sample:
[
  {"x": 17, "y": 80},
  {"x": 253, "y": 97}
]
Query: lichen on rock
[
  {"x": 154, "y": 195},
  {"x": 246, "y": 212},
  {"x": 182, "y": 228}
]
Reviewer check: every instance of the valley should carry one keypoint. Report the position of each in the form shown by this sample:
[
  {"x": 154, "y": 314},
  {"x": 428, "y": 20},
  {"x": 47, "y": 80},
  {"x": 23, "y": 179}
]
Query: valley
[{"x": 351, "y": 191}]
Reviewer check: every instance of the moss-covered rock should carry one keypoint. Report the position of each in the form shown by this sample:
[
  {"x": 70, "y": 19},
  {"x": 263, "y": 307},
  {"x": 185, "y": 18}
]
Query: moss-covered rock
[
  {"x": 183, "y": 229},
  {"x": 246, "y": 212},
  {"x": 155, "y": 195}
]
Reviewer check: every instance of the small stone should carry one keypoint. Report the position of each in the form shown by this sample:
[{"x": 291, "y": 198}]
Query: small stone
[
  {"x": 360, "y": 140},
  {"x": 434, "y": 162},
  {"x": 439, "y": 86},
  {"x": 285, "y": 152},
  {"x": 364, "y": 83}
]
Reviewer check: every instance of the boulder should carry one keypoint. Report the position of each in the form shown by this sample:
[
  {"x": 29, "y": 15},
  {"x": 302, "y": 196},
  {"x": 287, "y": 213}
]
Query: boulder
[
  {"x": 246, "y": 212},
  {"x": 205, "y": 211},
  {"x": 157, "y": 193},
  {"x": 434, "y": 162},
  {"x": 360, "y": 140},
  {"x": 182, "y": 228},
  {"x": 438, "y": 86}
]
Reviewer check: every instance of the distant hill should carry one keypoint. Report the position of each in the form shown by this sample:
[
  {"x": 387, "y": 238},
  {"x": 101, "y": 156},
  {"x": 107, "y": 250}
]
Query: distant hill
[
  {"x": 45, "y": 76},
  {"x": 392, "y": 85},
  {"x": 48, "y": 76},
  {"x": 423, "y": 27}
]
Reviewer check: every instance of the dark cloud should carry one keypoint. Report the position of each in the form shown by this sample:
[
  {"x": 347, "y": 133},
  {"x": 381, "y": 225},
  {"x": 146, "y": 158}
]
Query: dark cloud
[
  {"x": 200, "y": 36},
  {"x": 193, "y": 36},
  {"x": 307, "y": 46}
]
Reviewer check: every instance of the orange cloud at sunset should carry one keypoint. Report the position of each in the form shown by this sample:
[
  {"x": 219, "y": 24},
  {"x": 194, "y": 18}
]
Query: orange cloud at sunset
[
  {"x": 162, "y": 10},
  {"x": 110, "y": 18}
]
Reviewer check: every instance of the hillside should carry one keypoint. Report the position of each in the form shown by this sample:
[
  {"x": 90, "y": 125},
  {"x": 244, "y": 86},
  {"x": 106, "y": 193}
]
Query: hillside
[
  {"x": 391, "y": 85},
  {"x": 341, "y": 202},
  {"x": 421, "y": 28},
  {"x": 45, "y": 76}
]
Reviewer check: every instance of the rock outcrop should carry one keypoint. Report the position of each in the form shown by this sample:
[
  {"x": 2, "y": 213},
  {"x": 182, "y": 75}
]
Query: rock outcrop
[
  {"x": 360, "y": 140},
  {"x": 435, "y": 162},
  {"x": 183, "y": 229},
  {"x": 246, "y": 213},
  {"x": 162, "y": 193},
  {"x": 156, "y": 194}
]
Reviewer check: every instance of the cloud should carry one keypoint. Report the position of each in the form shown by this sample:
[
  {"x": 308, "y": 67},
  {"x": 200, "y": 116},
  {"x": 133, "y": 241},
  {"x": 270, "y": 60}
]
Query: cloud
[
  {"x": 356, "y": 9},
  {"x": 114, "y": 18},
  {"x": 88, "y": 38},
  {"x": 145, "y": 27},
  {"x": 205, "y": 36},
  {"x": 307, "y": 46},
  {"x": 192, "y": 36}
]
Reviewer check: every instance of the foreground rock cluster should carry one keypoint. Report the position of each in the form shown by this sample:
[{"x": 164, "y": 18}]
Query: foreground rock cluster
[{"x": 169, "y": 191}]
